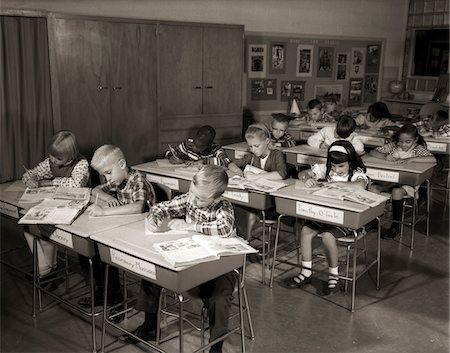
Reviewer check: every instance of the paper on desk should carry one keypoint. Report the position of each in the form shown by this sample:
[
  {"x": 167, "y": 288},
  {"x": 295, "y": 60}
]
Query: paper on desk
[
  {"x": 164, "y": 230},
  {"x": 18, "y": 185},
  {"x": 164, "y": 163}
]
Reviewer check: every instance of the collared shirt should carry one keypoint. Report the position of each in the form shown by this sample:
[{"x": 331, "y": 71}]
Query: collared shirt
[
  {"x": 320, "y": 170},
  {"x": 390, "y": 150},
  {"x": 215, "y": 219},
  {"x": 133, "y": 189},
  {"x": 214, "y": 155},
  {"x": 444, "y": 130},
  {"x": 284, "y": 141}
]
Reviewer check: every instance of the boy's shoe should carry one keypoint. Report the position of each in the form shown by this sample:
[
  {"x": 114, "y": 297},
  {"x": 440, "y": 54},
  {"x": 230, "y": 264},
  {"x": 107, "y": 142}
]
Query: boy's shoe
[
  {"x": 98, "y": 299},
  {"x": 144, "y": 333},
  {"x": 390, "y": 233},
  {"x": 216, "y": 348},
  {"x": 117, "y": 318},
  {"x": 332, "y": 286}
]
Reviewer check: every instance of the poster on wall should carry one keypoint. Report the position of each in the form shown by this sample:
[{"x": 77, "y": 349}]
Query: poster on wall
[
  {"x": 342, "y": 61},
  {"x": 277, "y": 58},
  {"x": 370, "y": 88},
  {"x": 325, "y": 62},
  {"x": 265, "y": 89},
  {"x": 304, "y": 60},
  {"x": 373, "y": 58},
  {"x": 327, "y": 92},
  {"x": 357, "y": 62},
  {"x": 257, "y": 60},
  {"x": 292, "y": 89},
  {"x": 355, "y": 92}
]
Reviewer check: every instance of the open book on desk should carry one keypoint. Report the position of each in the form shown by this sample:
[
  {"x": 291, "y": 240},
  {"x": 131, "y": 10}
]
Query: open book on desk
[
  {"x": 364, "y": 197},
  {"x": 32, "y": 195},
  {"x": 263, "y": 185},
  {"x": 201, "y": 248},
  {"x": 51, "y": 211}
]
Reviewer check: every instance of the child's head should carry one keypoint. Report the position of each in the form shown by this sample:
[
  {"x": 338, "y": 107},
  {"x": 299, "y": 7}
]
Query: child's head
[
  {"x": 203, "y": 138},
  {"x": 439, "y": 118},
  {"x": 62, "y": 148},
  {"x": 280, "y": 124},
  {"x": 258, "y": 139},
  {"x": 378, "y": 111},
  {"x": 407, "y": 137},
  {"x": 330, "y": 104},
  {"x": 207, "y": 185},
  {"x": 110, "y": 161},
  {"x": 315, "y": 109},
  {"x": 342, "y": 159},
  {"x": 345, "y": 126}
]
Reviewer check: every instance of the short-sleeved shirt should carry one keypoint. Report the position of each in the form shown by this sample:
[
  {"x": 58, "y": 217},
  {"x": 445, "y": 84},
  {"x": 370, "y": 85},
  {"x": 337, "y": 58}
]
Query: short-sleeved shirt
[
  {"x": 214, "y": 154},
  {"x": 319, "y": 171},
  {"x": 215, "y": 219},
  {"x": 133, "y": 189},
  {"x": 392, "y": 152}
]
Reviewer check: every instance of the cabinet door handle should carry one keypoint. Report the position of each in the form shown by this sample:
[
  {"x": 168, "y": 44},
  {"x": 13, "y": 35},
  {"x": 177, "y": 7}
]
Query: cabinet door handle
[
  {"x": 197, "y": 87},
  {"x": 209, "y": 86},
  {"x": 102, "y": 87},
  {"x": 117, "y": 87}
]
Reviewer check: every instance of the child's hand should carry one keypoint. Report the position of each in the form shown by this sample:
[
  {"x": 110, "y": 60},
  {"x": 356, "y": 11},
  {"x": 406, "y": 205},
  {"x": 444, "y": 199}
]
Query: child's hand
[
  {"x": 95, "y": 210},
  {"x": 32, "y": 182},
  {"x": 310, "y": 183},
  {"x": 111, "y": 201},
  {"x": 152, "y": 226},
  {"x": 45, "y": 182},
  {"x": 324, "y": 146},
  {"x": 251, "y": 176},
  {"x": 232, "y": 173},
  {"x": 175, "y": 160},
  {"x": 197, "y": 164},
  {"x": 179, "y": 224}
]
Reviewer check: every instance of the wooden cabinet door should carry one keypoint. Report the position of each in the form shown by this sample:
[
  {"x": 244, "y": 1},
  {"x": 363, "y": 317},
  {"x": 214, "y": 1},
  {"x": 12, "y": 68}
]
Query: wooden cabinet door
[
  {"x": 180, "y": 50},
  {"x": 133, "y": 90},
  {"x": 222, "y": 70},
  {"x": 81, "y": 57}
]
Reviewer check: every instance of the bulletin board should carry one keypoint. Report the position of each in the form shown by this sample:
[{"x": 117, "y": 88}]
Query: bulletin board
[{"x": 280, "y": 68}]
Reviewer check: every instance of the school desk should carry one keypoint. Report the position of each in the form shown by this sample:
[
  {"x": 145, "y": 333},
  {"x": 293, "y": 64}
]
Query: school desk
[
  {"x": 302, "y": 203},
  {"x": 305, "y": 155},
  {"x": 236, "y": 150},
  {"x": 438, "y": 145},
  {"x": 129, "y": 249},
  {"x": 302, "y": 132}
]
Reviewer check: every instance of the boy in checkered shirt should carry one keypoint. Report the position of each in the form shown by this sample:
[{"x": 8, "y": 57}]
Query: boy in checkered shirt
[{"x": 203, "y": 210}]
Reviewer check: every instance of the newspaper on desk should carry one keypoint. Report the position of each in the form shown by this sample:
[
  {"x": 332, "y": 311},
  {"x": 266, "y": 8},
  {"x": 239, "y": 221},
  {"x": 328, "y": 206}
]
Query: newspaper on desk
[
  {"x": 263, "y": 185},
  {"x": 364, "y": 197},
  {"x": 33, "y": 195}
]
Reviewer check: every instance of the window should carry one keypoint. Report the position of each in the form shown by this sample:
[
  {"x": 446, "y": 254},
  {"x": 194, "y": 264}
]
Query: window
[{"x": 430, "y": 52}]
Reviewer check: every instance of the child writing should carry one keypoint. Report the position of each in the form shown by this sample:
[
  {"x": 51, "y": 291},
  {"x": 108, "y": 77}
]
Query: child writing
[
  {"x": 65, "y": 166},
  {"x": 315, "y": 114},
  {"x": 126, "y": 191},
  {"x": 278, "y": 134},
  {"x": 331, "y": 108},
  {"x": 439, "y": 124},
  {"x": 344, "y": 130},
  {"x": 203, "y": 150},
  {"x": 378, "y": 116},
  {"x": 343, "y": 166},
  {"x": 203, "y": 210},
  {"x": 407, "y": 147}
]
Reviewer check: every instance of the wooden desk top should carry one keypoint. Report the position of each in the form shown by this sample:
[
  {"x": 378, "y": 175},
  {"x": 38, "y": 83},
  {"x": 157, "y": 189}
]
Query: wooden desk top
[
  {"x": 239, "y": 146},
  {"x": 174, "y": 172},
  {"x": 417, "y": 168},
  {"x": 11, "y": 192},
  {"x": 308, "y": 150}
]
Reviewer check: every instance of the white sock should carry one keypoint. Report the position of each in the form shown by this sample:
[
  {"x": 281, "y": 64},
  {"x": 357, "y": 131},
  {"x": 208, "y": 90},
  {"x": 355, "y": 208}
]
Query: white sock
[
  {"x": 334, "y": 272},
  {"x": 306, "y": 268}
]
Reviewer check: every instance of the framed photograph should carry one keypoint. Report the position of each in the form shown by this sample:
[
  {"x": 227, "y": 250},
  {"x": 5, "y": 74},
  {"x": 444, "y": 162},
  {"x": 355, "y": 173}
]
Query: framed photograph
[
  {"x": 292, "y": 89},
  {"x": 264, "y": 89},
  {"x": 304, "y": 60},
  {"x": 355, "y": 92},
  {"x": 277, "y": 58},
  {"x": 357, "y": 58},
  {"x": 257, "y": 60},
  {"x": 370, "y": 88},
  {"x": 373, "y": 58},
  {"x": 324, "y": 92},
  {"x": 325, "y": 62},
  {"x": 342, "y": 62}
]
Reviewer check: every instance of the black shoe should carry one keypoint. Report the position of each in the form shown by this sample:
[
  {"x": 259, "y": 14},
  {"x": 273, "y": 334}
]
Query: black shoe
[
  {"x": 296, "y": 281},
  {"x": 332, "y": 286},
  {"x": 85, "y": 302},
  {"x": 143, "y": 332},
  {"x": 216, "y": 348},
  {"x": 117, "y": 317},
  {"x": 390, "y": 233}
]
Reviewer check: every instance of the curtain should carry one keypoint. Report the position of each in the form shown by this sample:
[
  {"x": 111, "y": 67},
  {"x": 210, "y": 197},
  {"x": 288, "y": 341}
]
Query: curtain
[{"x": 25, "y": 98}]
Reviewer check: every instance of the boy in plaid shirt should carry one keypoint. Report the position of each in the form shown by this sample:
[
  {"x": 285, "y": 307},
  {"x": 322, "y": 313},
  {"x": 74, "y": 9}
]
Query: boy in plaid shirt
[
  {"x": 126, "y": 191},
  {"x": 203, "y": 210}
]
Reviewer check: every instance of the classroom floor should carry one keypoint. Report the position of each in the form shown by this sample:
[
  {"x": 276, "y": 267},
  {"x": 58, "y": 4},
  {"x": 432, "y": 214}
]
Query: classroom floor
[{"x": 410, "y": 312}]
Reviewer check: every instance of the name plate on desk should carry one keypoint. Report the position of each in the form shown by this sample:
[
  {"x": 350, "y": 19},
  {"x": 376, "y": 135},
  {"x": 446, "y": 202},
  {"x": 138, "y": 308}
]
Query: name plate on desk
[
  {"x": 171, "y": 183},
  {"x": 384, "y": 175},
  {"x": 371, "y": 140},
  {"x": 240, "y": 154},
  {"x": 237, "y": 195},
  {"x": 319, "y": 212},
  {"x": 133, "y": 264},
  {"x": 436, "y": 147},
  {"x": 9, "y": 210},
  {"x": 305, "y": 159},
  {"x": 305, "y": 134},
  {"x": 62, "y": 237}
]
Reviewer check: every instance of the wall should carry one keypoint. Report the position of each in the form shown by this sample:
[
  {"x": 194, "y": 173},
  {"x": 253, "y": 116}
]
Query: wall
[{"x": 361, "y": 18}]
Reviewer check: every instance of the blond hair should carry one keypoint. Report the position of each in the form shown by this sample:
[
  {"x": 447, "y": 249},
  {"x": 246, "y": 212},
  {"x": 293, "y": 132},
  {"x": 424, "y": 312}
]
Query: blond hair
[
  {"x": 213, "y": 178},
  {"x": 257, "y": 130},
  {"x": 106, "y": 155},
  {"x": 63, "y": 145}
]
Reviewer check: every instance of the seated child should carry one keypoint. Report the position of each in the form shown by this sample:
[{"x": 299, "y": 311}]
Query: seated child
[
  {"x": 315, "y": 114},
  {"x": 279, "y": 135},
  {"x": 126, "y": 191},
  {"x": 65, "y": 166},
  {"x": 343, "y": 166},
  {"x": 332, "y": 109},
  {"x": 440, "y": 124},
  {"x": 203, "y": 210},
  {"x": 407, "y": 147},
  {"x": 344, "y": 130},
  {"x": 378, "y": 116},
  {"x": 202, "y": 149}
]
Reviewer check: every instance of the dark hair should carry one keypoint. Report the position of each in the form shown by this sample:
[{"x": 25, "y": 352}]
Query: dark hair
[
  {"x": 440, "y": 118},
  {"x": 280, "y": 118},
  {"x": 379, "y": 110},
  {"x": 345, "y": 126},
  {"x": 353, "y": 159},
  {"x": 411, "y": 130},
  {"x": 315, "y": 103}
]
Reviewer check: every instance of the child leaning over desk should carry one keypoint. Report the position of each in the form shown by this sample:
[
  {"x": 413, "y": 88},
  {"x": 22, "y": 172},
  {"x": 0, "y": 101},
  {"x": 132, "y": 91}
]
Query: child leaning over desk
[
  {"x": 126, "y": 191},
  {"x": 343, "y": 166},
  {"x": 203, "y": 210},
  {"x": 407, "y": 147},
  {"x": 65, "y": 166},
  {"x": 278, "y": 132},
  {"x": 378, "y": 116}
]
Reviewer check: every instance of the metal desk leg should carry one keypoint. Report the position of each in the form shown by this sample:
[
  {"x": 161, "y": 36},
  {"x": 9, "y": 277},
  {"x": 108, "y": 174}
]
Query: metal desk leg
[
  {"x": 275, "y": 248},
  {"x": 105, "y": 304},
  {"x": 180, "y": 320},
  {"x": 91, "y": 273},
  {"x": 241, "y": 310},
  {"x": 263, "y": 272},
  {"x": 352, "y": 306},
  {"x": 428, "y": 206},
  {"x": 413, "y": 226},
  {"x": 378, "y": 252},
  {"x": 35, "y": 274}
]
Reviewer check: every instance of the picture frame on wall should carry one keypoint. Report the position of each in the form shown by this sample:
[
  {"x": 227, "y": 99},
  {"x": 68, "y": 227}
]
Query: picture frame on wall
[
  {"x": 325, "y": 62},
  {"x": 263, "y": 89},
  {"x": 373, "y": 58},
  {"x": 342, "y": 63},
  {"x": 257, "y": 60},
  {"x": 370, "y": 88},
  {"x": 291, "y": 90},
  {"x": 305, "y": 56},
  {"x": 325, "y": 92},
  {"x": 357, "y": 59},
  {"x": 277, "y": 58},
  {"x": 355, "y": 92}
]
